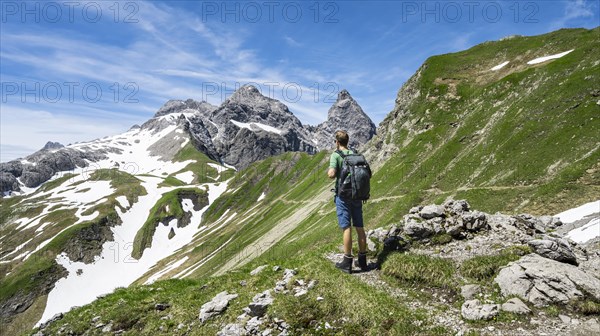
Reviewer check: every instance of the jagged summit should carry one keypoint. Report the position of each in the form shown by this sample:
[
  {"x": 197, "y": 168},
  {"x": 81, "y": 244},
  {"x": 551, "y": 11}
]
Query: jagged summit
[
  {"x": 250, "y": 126},
  {"x": 52, "y": 145},
  {"x": 345, "y": 114},
  {"x": 247, "y": 93},
  {"x": 176, "y": 106}
]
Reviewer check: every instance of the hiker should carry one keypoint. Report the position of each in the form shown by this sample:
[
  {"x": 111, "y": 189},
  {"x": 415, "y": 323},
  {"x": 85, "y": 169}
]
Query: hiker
[{"x": 348, "y": 211}]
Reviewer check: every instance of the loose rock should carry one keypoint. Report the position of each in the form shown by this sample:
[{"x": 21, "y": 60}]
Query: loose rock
[
  {"x": 216, "y": 306},
  {"x": 474, "y": 310},
  {"x": 516, "y": 306}
]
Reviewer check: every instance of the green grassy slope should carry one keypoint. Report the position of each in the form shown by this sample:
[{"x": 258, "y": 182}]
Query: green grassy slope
[
  {"x": 237, "y": 220},
  {"x": 524, "y": 138}
]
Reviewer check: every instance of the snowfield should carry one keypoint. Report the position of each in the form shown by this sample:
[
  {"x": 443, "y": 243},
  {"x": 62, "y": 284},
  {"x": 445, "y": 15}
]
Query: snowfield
[
  {"x": 548, "y": 58},
  {"x": 186, "y": 177},
  {"x": 115, "y": 267},
  {"x": 589, "y": 230},
  {"x": 500, "y": 66},
  {"x": 574, "y": 214}
]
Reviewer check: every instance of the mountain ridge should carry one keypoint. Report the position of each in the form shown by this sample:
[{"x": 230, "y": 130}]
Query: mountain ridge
[{"x": 245, "y": 128}]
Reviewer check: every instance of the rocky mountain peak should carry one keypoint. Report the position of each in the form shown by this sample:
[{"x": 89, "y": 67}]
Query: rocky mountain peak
[
  {"x": 345, "y": 114},
  {"x": 176, "y": 106},
  {"x": 52, "y": 145},
  {"x": 249, "y": 95},
  {"x": 344, "y": 94},
  {"x": 247, "y": 91},
  {"x": 259, "y": 126}
]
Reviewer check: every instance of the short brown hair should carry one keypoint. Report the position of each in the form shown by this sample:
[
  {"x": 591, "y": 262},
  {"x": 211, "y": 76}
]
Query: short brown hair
[{"x": 342, "y": 137}]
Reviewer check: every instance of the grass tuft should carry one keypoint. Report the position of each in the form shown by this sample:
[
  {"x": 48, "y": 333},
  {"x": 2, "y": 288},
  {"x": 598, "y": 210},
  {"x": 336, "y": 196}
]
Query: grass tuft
[{"x": 421, "y": 270}]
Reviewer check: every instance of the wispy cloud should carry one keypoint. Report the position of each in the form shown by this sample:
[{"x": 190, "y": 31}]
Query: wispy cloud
[
  {"x": 291, "y": 42},
  {"x": 575, "y": 10}
]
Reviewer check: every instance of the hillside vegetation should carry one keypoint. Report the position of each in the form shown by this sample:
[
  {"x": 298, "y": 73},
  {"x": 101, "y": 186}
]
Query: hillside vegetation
[{"x": 520, "y": 139}]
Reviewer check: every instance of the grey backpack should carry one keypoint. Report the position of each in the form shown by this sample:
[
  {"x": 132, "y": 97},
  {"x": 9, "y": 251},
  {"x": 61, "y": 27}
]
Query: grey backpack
[{"x": 355, "y": 177}]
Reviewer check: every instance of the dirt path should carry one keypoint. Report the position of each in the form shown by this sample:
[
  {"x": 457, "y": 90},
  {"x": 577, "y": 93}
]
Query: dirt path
[{"x": 279, "y": 231}]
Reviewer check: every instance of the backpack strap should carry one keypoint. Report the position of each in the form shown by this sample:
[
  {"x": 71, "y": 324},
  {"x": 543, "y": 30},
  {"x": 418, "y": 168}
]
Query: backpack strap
[{"x": 338, "y": 171}]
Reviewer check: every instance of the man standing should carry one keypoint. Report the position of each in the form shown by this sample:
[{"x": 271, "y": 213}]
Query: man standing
[{"x": 349, "y": 212}]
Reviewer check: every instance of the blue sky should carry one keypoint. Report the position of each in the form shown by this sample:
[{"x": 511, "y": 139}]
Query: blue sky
[{"x": 75, "y": 71}]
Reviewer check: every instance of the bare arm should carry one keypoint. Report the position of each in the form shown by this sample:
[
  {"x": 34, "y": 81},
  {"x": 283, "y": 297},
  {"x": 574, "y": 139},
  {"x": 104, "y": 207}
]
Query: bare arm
[{"x": 331, "y": 173}]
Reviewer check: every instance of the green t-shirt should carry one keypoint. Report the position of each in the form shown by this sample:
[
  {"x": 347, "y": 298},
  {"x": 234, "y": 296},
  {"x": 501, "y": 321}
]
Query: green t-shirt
[{"x": 335, "y": 162}]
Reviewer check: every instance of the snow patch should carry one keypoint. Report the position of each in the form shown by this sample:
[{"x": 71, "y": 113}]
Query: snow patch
[
  {"x": 171, "y": 266},
  {"x": 259, "y": 125},
  {"x": 547, "y": 58},
  {"x": 123, "y": 201},
  {"x": 193, "y": 268},
  {"x": 17, "y": 249},
  {"x": 185, "y": 142},
  {"x": 587, "y": 232},
  {"x": 578, "y": 213},
  {"x": 186, "y": 177},
  {"x": 500, "y": 66}
]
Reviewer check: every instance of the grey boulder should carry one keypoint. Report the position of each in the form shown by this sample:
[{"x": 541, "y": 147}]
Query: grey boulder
[
  {"x": 431, "y": 211},
  {"x": 543, "y": 281},
  {"x": 259, "y": 304},
  {"x": 417, "y": 228},
  {"x": 554, "y": 248},
  {"x": 468, "y": 292},
  {"x": 215, "y": 306}
]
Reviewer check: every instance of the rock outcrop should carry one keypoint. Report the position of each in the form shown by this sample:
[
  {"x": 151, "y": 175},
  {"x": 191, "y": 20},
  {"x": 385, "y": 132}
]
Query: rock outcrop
[
  {"x": 542, "y": 281},
  {"x": 40, "y": 166}
]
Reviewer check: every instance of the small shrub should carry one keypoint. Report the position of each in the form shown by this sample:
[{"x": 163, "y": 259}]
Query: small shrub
[{"x": 587, "y": 307}]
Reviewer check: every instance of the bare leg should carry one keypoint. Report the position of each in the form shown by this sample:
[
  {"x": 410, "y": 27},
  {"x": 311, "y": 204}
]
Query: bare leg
[
  {"x": 362, "y": 239},
  {"x": 348, "y": 241}
]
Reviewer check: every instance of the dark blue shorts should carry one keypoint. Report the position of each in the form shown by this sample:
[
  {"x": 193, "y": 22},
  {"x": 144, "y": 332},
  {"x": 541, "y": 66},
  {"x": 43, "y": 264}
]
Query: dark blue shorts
[{"x": 347, "y": 211}]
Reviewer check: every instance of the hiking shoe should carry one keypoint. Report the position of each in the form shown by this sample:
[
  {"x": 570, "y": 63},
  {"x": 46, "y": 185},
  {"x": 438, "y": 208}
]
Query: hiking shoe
[
  {"x": 362, "y": 261},
  {"x": 346, "y": 264}
]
